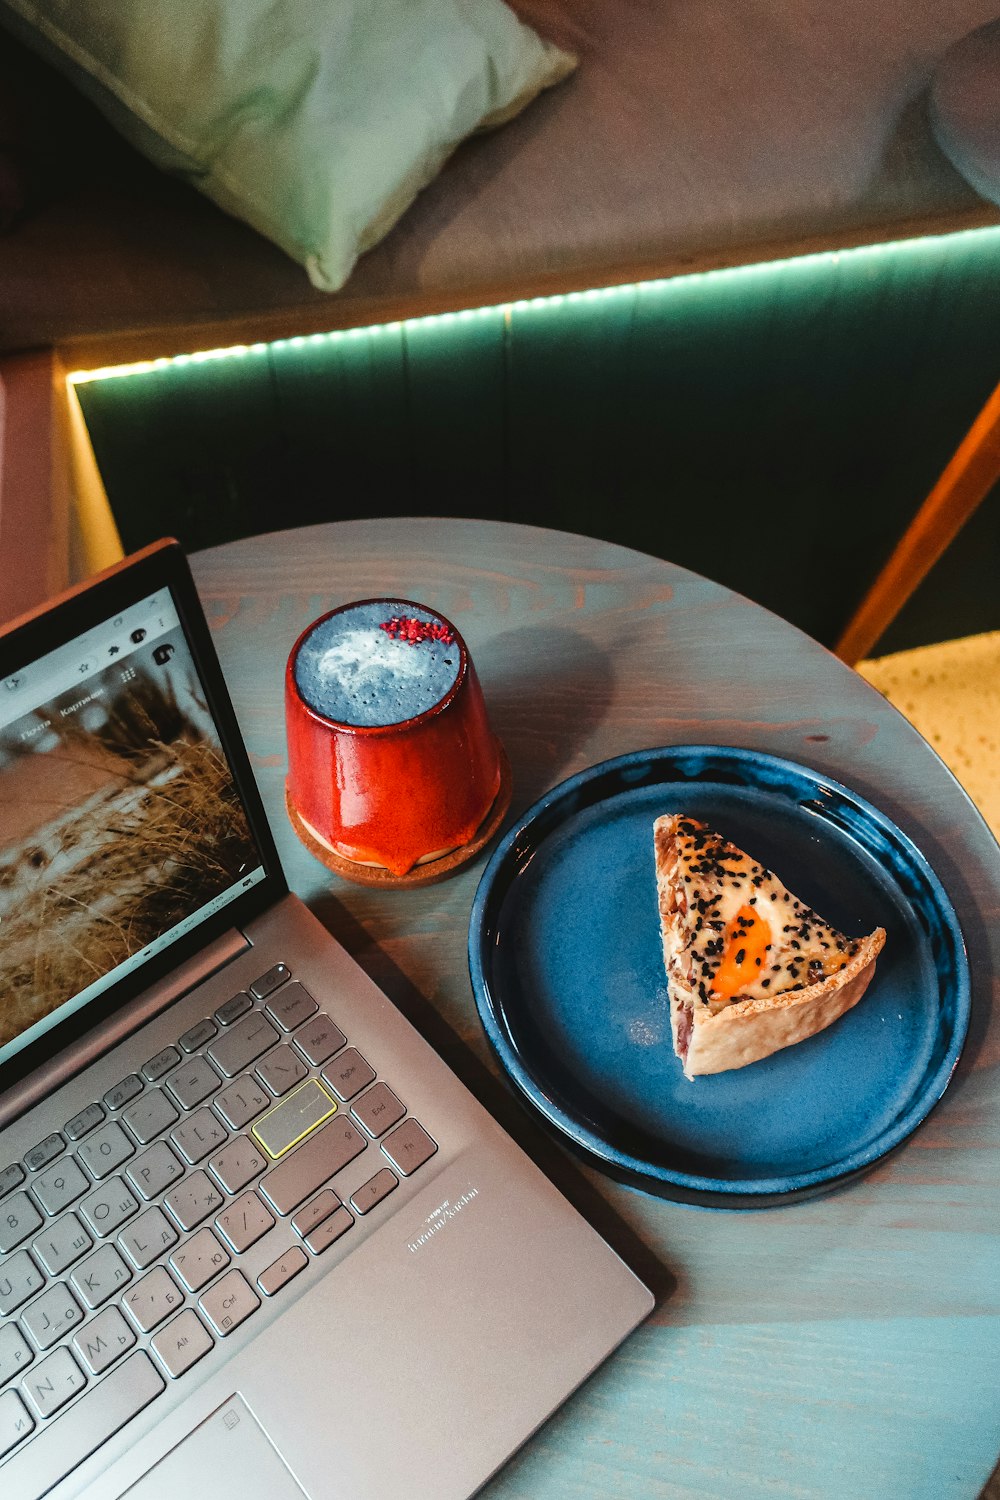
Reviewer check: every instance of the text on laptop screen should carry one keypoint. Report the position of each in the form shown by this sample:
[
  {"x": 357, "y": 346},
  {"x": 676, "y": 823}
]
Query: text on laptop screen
[{"x": 121, "y": 828}]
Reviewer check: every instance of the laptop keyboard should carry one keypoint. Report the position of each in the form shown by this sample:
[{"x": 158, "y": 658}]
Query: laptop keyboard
[{"x": 121, "y": 1236}]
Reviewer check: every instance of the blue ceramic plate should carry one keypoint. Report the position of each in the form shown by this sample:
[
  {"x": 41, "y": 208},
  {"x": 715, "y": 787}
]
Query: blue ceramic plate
[{"x": 567, "y": 969}]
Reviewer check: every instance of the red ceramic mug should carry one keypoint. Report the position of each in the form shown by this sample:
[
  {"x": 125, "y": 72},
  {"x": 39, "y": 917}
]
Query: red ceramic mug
[{"x": 394, "y": 773}]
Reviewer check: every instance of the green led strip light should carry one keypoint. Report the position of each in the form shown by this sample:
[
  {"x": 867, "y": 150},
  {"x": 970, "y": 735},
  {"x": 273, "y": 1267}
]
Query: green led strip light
[{"x": 926, "y": 244}]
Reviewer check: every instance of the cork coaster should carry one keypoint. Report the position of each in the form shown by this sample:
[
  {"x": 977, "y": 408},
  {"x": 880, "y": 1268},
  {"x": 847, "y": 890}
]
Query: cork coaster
[{"x": 425, "y": 874}]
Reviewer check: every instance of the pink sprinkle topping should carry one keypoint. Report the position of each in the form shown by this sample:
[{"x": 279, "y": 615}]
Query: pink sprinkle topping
[{"x": 413, "y": 631}]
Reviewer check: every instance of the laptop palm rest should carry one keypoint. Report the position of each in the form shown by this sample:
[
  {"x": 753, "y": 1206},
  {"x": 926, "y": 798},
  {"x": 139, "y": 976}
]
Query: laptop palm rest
[{"x": 457, "y": 1329}]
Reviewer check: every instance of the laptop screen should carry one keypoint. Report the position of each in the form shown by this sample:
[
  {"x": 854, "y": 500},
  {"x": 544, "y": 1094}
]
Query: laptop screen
[{"x": 121, "y": 826}]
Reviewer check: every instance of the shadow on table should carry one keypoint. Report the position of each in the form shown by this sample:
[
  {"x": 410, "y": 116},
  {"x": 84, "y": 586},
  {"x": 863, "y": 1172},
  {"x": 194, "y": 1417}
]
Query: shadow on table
[
  {"x": 497, "y": 1098},
  {"x": 533, "y": 679}
]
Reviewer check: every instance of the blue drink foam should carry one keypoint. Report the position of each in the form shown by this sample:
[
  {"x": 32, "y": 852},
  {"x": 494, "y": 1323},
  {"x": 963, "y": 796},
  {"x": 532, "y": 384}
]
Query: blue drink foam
[{"x": 351, "y": 671}]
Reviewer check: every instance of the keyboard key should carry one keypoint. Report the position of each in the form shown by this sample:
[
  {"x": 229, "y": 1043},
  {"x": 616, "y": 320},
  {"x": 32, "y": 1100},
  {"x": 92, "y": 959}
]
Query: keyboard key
[
  {"x": 330, "y": 1230},
  {"x": 104, "y": 1151},
  {"x": 200, "y": 1034},
  {"x": 199, "y": 1134},
  {"x": 39, "y": 1156},
  {"x": 281, "y": 1271},
  {"x": 232, "y": 1009},
  {"x": 293, "y": 1119},
  {"x": 267, "y": 983},
  {"x": 373, "y": 1191},
  {"x": 409, "y": 1147},
  {"x": 281, "y": 1070},
  {"x": 147, "y": 1237},
  {"x": 229, "y": 1302},
  {"x": 51, "y": 1315},
  {"x": 10, "y": 1178},
  {"x": 18, "y": 1218},
  {"x": 245, "y": 1222},
  {"x": 100, "y": 1276},
  {"x": 237, "y": 1164},
  {"x": 51, "y": 1383},
  {"x": 19, "y": 1279},
  {"x": 193, "y": 1200},
  {"x": 291, "y": 1006},
  {"x": 242, "y": 1102},
  {"x": 15, "y": 1354},
  {"x": 15, "y": 1421},
  {"x": 153, "y": 1172},
  {"x": 123, "y": 1092},
  {"x": 149, "y": 1116},
  {"x": 193, "y": 1082},
  {"x": 160, "y": 1063},
  {"x": 348, "y": 1074},
  {"x": 182, "y": 1343},
  {"x": 199, "y": 1259},
  {"x": 378, "y": 1109},
  {"x": 293, "y": 1181},
  {"x": 59, "y": 1186},
  {"x": 242, "y": 1044},
  {"x": 103, "y": 1340},
  {"x": 90, "y": 1116},
  {"x": 321, "y": 1207},
  {"x": 152, "y": 1299},
  {"x": 107, "y": 1209},
  {"x": 59, "y": 1245},
  {"x": 93, "y": 1419},
  {"x": 319, "y": 1039}
]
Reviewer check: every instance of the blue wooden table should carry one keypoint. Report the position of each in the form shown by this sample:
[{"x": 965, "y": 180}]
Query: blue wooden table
[{"x": 846, "y": 1347}]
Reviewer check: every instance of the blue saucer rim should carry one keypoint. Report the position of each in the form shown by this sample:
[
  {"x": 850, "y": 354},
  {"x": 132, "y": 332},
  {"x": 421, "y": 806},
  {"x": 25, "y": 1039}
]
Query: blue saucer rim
[{"x": 651, "y": 1176}]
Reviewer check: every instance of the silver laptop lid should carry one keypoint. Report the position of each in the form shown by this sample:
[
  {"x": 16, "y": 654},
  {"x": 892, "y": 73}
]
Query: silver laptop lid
[{"x": 131, "y": 829}]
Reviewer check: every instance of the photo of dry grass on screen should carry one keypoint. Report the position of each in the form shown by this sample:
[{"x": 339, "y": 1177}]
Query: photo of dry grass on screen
[{"x": 118, "y": 820}]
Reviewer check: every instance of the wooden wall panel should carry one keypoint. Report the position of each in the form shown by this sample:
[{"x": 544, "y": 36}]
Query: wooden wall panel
[
  {"x": 188, "y": 450},
  {"x": 34, "y": 493},
  {"x": 456, "y": 415},
  {"x": 772, "y": 428},
  {"x": 337, "y": 416}
]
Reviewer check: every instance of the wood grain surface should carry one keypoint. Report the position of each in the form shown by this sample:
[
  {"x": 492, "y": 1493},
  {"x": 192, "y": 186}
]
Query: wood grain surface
[{"x": 842, "y": 1347}]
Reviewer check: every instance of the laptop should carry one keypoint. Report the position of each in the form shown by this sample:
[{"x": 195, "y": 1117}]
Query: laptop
[{"x": 257, "y": 1241}]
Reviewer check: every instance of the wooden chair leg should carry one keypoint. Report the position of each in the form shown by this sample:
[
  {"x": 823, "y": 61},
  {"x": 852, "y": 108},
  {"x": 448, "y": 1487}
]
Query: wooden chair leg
[{"x": 967, "y": 480}]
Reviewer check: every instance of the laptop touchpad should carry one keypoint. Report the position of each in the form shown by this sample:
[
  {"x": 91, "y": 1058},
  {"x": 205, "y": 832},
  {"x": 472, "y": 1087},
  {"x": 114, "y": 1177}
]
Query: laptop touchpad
[{"x": 228, "y": 1456}]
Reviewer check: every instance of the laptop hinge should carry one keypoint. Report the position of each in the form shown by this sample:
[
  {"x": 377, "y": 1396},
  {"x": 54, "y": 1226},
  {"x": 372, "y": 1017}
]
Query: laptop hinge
[{"x": 59, "y": 1069}]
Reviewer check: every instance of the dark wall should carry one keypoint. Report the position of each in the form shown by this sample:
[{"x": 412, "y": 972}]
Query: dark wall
[{"x": 773, "y": 428}]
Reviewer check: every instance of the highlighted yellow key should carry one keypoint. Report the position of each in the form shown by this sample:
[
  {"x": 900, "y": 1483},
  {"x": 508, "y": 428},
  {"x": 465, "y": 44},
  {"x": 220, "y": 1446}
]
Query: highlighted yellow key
[{"x": 294, "y": 1118}]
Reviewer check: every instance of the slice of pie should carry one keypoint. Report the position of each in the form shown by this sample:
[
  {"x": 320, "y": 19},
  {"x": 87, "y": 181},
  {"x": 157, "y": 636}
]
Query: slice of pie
[{"x": 751, "y": 968}]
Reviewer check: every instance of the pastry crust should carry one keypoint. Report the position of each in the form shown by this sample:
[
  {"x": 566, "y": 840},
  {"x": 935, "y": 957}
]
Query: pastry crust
[{"x": 713, "y": 1035}]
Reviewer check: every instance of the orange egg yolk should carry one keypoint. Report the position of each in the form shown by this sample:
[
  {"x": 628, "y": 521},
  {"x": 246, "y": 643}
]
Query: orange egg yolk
[{"x": 748, "y": 937}]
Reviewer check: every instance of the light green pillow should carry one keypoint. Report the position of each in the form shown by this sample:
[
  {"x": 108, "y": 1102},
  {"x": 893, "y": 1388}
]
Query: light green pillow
[{"x": 316, "y": 121}]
